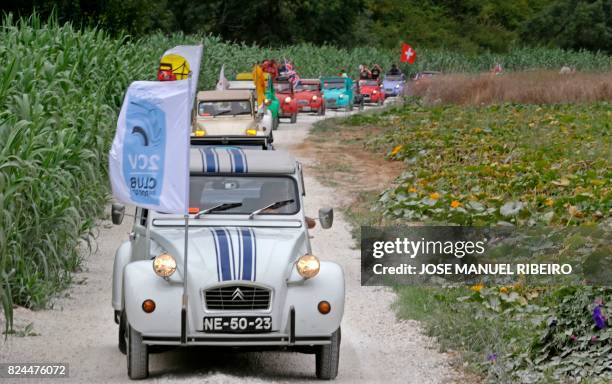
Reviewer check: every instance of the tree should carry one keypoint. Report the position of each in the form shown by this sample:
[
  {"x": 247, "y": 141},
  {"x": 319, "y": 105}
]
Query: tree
[{"x": 574, "y": 24}]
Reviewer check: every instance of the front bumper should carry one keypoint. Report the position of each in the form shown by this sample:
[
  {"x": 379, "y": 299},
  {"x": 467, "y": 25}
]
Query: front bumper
[{"x": 294, "y": 315}]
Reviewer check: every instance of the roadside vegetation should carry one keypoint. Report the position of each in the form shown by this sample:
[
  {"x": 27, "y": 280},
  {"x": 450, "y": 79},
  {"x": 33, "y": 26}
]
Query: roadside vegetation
[{"x": 492, "y": 161}]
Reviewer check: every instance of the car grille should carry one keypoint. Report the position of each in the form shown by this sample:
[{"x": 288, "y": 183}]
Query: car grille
[
  {"x": 303, "y": 102},
  {"x": 330, "y": 101},
  {"x": 237, "y": 297}
]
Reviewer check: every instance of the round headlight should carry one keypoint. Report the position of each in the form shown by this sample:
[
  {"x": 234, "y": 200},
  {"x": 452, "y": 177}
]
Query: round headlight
[
  {"x": 164, "y": 265},
  {"x": 308, "y": 266},
  {"x": 267, "y": 101},
  {"x": 341, "y": 96},
  {"x": 396, "y": 85},
  {"x": 287, "y": 99},
  {"x": 314, "y": 97},
  {"x": 374, "y": 91}
]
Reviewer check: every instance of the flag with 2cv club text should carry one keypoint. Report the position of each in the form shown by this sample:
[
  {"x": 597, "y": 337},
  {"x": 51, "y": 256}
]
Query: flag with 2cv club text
[{"x": 149, "y": 158}]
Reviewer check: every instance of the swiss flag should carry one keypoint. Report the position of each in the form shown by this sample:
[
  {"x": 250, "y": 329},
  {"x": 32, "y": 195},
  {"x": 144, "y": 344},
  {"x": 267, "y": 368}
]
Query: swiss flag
[{"x": 408, "y": 54}]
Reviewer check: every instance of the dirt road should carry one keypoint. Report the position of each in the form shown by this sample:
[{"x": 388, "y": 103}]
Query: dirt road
[{"x": 376, "y": 347}]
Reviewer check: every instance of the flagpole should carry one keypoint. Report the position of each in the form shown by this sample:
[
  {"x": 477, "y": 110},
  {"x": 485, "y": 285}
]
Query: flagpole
[{"x": 185, "y": 298}]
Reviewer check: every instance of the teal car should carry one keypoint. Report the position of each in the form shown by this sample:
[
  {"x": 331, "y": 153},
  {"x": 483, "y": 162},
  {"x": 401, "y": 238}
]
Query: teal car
[{"x": 338, "y": 92}]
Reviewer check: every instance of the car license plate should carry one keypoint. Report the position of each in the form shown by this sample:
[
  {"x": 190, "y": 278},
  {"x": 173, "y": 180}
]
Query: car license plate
[{"x": 238, "y": 324}]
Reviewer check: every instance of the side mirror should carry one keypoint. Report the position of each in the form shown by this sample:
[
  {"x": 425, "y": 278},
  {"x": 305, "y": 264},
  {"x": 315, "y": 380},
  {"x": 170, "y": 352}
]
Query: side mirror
[
  {"x": 326, "y": 217},
  {"x": 117, "y": 213}
]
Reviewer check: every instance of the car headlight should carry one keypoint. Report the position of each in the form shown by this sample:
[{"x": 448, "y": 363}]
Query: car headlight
[
  {"x": 308, "y": 266},
  {"x": 164, "y": 265},
  {"x": 396, "y": 85},
  {"x": 287, "y": 99},
  {"x": 314, "y": 97},
  {"x": 374, "y": 91},
  {"x": 267, "y": 101},
  {"x": 341, "y": 96},
  {"x": 251, "y": 132},
  {"x": 199, "y": 132}
]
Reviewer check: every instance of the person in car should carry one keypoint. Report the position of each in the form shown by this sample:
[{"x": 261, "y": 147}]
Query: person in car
[
  {"x": 364, "y": 72},
  {"x": 376, "y": 71},
  {"x": 394, "y": 70}
]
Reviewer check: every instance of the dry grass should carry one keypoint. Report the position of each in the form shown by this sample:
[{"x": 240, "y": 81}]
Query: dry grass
[{"x": 541, "y": 87}]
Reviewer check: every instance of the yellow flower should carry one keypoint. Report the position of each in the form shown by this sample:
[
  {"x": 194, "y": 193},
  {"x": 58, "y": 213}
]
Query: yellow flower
[
  {"x": 412, "y": 190},
  {"x": 396, "y": 149},
  {"x": 548, "y": 202},
  {"x": 455, "y": 204},
  {"x": 503, "y": 290},
  {"x": 434, "y": 196},
  {"x": 477, "y": 287}
]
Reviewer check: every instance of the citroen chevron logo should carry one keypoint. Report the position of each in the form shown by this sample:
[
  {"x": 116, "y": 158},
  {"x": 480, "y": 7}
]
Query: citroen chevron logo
[{"x": 237, "y": 295}]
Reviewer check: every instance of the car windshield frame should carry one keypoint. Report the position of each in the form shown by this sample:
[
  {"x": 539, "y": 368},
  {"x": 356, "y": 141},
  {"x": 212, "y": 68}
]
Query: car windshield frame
[
  {"x": 308, "y": 87},
  {"x": 295, "y": 195},
  {"x": 286, "y": 87},
  {"x": 370, "y": 83},
  {"x": 222, "y": 113},
  {"x": 336, "y": 84},
  {"x": 393, "y": 78}
]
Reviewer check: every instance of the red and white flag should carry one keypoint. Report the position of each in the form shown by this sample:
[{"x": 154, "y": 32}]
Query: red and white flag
[{"x": 408, "y": 54}]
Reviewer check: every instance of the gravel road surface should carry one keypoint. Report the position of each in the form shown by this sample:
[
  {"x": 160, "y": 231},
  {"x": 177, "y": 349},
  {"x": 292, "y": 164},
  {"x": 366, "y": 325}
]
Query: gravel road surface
[{"x": 376, "y": 347}]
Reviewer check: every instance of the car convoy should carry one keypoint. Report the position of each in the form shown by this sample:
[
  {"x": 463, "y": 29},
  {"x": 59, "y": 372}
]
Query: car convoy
[{"x": 252, "y": 277}]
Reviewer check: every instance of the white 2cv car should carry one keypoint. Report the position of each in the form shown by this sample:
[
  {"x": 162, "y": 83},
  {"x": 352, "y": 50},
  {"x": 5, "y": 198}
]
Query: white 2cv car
[{"x": 252, "y": 278}]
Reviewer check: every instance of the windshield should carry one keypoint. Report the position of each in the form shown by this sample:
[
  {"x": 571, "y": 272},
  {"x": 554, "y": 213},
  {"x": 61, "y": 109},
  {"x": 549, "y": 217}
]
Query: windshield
[
  {"x": 282, "y": 87},
  {"x": 229, "y": 107},
  {"x": 253, "y": 192},
  {"x": 307, "y": 87},
  {"x": 393, "y": 78},
  {"x": 368, "y": 82},
  {"x": 333, "y": 85}
]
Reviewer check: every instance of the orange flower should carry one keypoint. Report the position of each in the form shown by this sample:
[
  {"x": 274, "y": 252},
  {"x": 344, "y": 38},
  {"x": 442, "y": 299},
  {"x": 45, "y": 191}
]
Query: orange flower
[
  {"x": 503, "y": 290},
  {"x": 412, "y": 190},
  {"x": 455, "y": 204},
  {"x": 434, "y": 196},
  {"x": 477, "y": 288},
  {"x": 396, "y": 149},
  {"x": 548, "y": 202}
]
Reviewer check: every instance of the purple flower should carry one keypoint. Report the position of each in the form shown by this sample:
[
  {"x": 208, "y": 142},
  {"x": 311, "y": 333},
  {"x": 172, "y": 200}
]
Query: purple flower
[
  {"x": 599, "y": 318},
  {"x": 573, "y": 338},
  {"x": 492, "y": 357},
  {"x": 594, "y": 339}
]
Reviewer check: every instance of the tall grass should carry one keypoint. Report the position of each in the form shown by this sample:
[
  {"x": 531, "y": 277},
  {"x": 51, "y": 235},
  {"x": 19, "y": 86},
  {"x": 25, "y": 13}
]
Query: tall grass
[
  {"x": 536, "y": 87},
  {"x": 60, "y": 90}
]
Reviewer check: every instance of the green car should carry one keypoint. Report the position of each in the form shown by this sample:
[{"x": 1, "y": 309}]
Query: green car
[{"x": 244, "y": 80}]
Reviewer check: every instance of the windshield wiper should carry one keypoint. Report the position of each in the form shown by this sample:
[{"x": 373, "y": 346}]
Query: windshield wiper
[
  {"x": 218, "y": 208},
  {"x": 223, "y": 112},
  {"x": 275, "y": 205}
]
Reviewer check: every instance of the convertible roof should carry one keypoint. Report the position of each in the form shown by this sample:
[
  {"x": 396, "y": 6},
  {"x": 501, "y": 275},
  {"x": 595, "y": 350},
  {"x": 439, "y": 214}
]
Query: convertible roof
[
  {"x": 212, "y": 159},
  {"x": 231, "y": 94},
  {"x": 241, "y": 84}
]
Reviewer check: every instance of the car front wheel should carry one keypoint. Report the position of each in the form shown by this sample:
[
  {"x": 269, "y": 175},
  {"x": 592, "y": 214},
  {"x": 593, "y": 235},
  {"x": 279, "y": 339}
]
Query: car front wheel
[
  {"x": 294, "y": 118},
  {"x": 137, "y": 355},
  {"x": 328, "y": 358}
]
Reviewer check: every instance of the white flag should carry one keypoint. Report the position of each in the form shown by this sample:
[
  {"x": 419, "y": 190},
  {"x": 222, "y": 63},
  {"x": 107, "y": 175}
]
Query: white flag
[
  {"x": 193, "y": 55},
  {"x": 149, "y": 158},
  {"x": 222, "y": 84}
]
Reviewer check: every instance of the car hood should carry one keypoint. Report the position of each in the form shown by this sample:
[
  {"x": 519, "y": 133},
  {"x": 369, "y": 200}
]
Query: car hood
[
  {"x": 222, "y": 254},
  {"x": 333, "y": 93},
  {"x": 392, "y": 84},
  {"x": 307, "y": 94},
  {"x": 221, "y": 126}
]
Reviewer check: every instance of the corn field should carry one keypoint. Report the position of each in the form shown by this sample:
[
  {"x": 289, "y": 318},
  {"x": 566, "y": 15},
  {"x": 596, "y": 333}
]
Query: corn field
[{"x": 60, "y": 91}]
